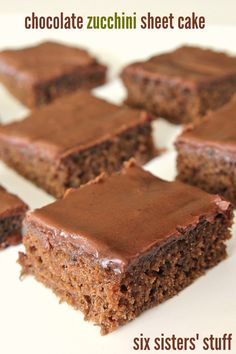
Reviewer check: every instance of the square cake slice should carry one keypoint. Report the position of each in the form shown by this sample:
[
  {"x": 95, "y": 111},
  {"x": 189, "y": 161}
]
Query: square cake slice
[
  {"x": 73, "y": 140},
  {"x": 207, "y": 153},
  {"x": 39, "y": 74},
  {"x": 181, "y": 85},
  {"x": 122, "y": 244},
  {"x": 12, "y": 212}
]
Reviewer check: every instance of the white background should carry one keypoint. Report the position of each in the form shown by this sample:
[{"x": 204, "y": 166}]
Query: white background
[{"x": 31, "y": 320}]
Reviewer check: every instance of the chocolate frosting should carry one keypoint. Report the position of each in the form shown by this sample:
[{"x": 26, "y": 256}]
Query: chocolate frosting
[
  {"x": 217, "y": 129},
  {"x": 45, "y": 61},
  {"x": 120, "y": 218},
  {"x": 192, "y": 64},
  {"x": 10, "y": 203},
  {"x": 72, "y": 123}
]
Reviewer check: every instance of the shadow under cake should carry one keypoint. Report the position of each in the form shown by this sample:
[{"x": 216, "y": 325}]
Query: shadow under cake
[
  {"x": 122, "y": 244},
  {"x": 37, "y": 75},
  {"x": 12, "y": 212},
  {"x": 181, "y": 85},
  {"x": 74, "y": 139},
  {"x": 207, "y": 153}
]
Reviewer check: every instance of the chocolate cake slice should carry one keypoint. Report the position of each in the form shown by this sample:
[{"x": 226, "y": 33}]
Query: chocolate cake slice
[
  {"x": 181, "y": 85},
  {"x": 74, "y": 139},
  {"x": 12, "y": 212},
  {"x": 207, "y": 153},
  {"x": 37, "y": 75},
  {"x": 122, "y": 244}
]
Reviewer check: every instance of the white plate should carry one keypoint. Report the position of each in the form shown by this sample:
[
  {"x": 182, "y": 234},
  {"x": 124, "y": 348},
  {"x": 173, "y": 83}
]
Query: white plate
[{"x": 31, "y": 319}]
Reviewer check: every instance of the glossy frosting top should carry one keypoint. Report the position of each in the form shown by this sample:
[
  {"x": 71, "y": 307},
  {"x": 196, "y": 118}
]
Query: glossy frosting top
[
  {"x": 44, "y": 61},
  {"x": 73, "y": 122},
  {"x": 217, "y": 129},
  {"x": 120, "y": 218},
  {"x": 10, "y": 203},
  {"x": 192, "y": 64}
]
